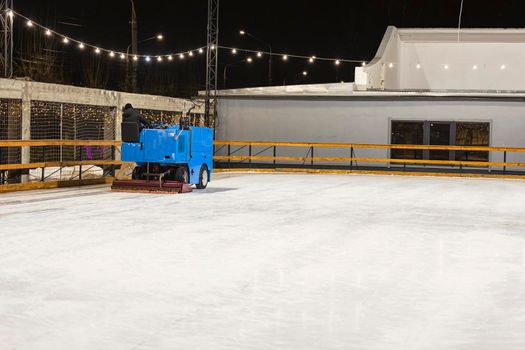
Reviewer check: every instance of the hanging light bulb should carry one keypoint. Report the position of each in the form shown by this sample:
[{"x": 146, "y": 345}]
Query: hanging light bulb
[
  {"x": 390, "y": 65},
  {"x": 503, "y": 67},
  {"x": 337, "y": 62},
  {"x": 213, "y": 47},
  {"x": 311, "y": 59},
  {"x": 159, "y": 58},
  {"x": 48, "y": 32},
  {"x": 285, "y": 57},
  {"x": 10, "y": 13},
  {"x": 201, "y": 50},
  {"x": 81, "y": 46},
  {"x": 234, "y": 51},
  {"x": 259, "y": 54},
  {"x": 418, "y": 66},
  {"x": 111, "y": 54},
  {"x": 135, "y": 58},
  {"x": 170, "y": 58},
  {"x": 190, "y": 53},
  {"x": 446, "y": 66},
  {"x": 249, "y": 60},
  {"x": 474, "y": 67},
  {"x": 122, "y": 56},
  {"x": 29, "y": 23},
  {"x": 148, "y": 59},
  {"x": 305, "y": 73},
  {"x": 181, "y": 56},
  {"x": 97, "y": 50},
  {"x": 65, "y": 40},
  {"x": 363, "y": 64}
]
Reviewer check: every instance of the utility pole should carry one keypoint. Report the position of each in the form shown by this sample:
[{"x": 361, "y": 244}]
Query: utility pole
[
  {"x": 134, "y": 46},
  {"x": 212, "y": 59},
  {"x": 6, "y": 36}
]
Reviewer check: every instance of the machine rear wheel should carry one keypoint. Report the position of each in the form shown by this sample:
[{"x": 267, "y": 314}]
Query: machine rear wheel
[
  {"x": 181, "y": 174},
  {"x": 204, "y": 178},
  {"x": 138, "y": 173}
]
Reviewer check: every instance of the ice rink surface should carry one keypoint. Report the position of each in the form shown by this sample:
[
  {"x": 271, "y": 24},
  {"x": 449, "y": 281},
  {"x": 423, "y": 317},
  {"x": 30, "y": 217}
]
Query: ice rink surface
[{"x": 267, "y": 262}]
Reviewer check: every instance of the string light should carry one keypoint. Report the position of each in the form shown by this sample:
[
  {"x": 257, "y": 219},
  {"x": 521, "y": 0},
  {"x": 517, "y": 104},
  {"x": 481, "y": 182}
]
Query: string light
[
  {"x": 122, "y": 56},
  {"x": 181, "y": 56},
  {"x": 201, "y": 50},
  {"x": 97, "y": 51},
  {"x": 503, "y": 67},
  {"x": 29, "y": 23},
  {"x": 159, "y": 58},
  {"x": 81, "y": 46},
  {"x": 234, "y": 51},
  {"x": 135, "y": 58},
  {"x": 311, "y": 60},
  {"x": 170, "y": 58},
  {"x": 363, "y": 64},
  {"x": 337, "y": 62},
  {"x": 10, "y": 13},
  {"x": 249, "y": 60},
  {"x": 285, "y": 57},
  {"x": 446, "y": 66},
  {"x": 190, "y": 53},
  {"x": 474, "y": 67},
  {"x": 259, "y": 54},
  {"x": 148, "y": 59},
  {"x": 305, "y": 73},
  {"x": 111, "y": 54},
  {"x": 418, "y": 66},
  {"x": 65, "y": 40},
  {"x": 48, "y": 32}
]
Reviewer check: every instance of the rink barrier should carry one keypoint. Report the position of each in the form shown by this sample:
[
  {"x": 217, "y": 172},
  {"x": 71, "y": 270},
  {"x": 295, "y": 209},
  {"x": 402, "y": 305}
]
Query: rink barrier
[
  {"x": 364, "y": 172},
  {"x": 41, "y": 185},
  {"x": 352, "y": 161}
]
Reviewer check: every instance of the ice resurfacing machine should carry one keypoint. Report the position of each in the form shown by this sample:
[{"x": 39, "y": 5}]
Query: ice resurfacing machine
[{"x": 169, "y": 158}]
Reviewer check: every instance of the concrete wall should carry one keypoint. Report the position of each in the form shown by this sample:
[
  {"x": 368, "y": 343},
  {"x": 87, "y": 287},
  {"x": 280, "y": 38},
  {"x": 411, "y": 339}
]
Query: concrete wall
[{"x": 350, "y": 120}]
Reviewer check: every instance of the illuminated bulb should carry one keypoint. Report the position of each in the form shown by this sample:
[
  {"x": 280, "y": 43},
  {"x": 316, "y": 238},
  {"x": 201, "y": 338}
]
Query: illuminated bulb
[
  {"x": 148, "y": 58},
  {"x": 418, "y": 66},
  {"x": 342, "y": 82},
  {"x": 81, "y": 46},
  {"x": 259, "y": 54},
  {"x": 29, "y": 23},
  {"x": 97, "y": 50},
  {"x": 363, "y": 64},
  {"x": 10, "y": 13},
  {"x": 181, "y": 56},
  {"x": 249, "y": 60},
  {"x": 65, "y": 40},
  {"x": 170, "y": 58},
  {"x": 190, "y": 53},
  {"x": 122, "y": 56},
  {"x": 213, "y": 47},
  {"x": 391, "y": 65},
  {"x": 234, "y": 51},
  {"x": 446, "y": 66},
  {"x": 285, "y": 57},
  {"x": 135, "y": 58},
  {"x": 503, "y": 67},
  {"x": 159, "y": 59},
  {"x": 111, "y": 54},
  {"x": 474, "y": 67},
  {"x": 201, "y": 50},
  {"x": 337, "y": 62},
  {"x": 160, "y": 37},
  {"x": 305, "y": 73},
  {"x": 242, "y": 32},
  {"x": 48, "y": 32}
]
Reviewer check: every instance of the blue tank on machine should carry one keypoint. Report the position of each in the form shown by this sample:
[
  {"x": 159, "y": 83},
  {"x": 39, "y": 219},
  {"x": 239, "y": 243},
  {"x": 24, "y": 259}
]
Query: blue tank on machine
[{"x": 172, "y": 153}]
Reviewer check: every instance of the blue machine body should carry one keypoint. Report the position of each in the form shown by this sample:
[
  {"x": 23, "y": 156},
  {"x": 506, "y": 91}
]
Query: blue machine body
[{"x": 172, "y": 146}]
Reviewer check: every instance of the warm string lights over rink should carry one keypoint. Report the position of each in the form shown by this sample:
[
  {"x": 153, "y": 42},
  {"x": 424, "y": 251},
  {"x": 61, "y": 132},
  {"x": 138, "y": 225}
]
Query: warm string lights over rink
[{"x": 170, "y": 57}]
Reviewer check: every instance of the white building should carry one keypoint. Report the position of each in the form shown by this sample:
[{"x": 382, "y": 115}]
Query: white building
[{"x": 425, "y": 86}]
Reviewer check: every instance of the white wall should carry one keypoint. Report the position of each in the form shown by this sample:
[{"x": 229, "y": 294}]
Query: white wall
[
  {"x": 395, "y": 64},
  {"x": 350, "y": 120}
]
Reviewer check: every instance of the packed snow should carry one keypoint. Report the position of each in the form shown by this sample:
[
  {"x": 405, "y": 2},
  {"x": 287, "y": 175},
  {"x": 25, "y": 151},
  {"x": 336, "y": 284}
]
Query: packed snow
[{"x": 267, "y": 261}]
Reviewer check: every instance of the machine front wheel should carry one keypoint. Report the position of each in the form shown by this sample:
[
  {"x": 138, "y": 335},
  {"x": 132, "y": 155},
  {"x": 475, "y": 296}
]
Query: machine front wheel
[
  {"x": 204, "y": 178},
  {"x": 138, "y": 173}
]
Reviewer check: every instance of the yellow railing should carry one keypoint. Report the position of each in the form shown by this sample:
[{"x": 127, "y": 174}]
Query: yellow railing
[{"x": 353, "y": 146}]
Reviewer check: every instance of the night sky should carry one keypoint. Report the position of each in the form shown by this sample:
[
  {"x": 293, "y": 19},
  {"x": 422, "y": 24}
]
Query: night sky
[{"x": 330, "y": 28}]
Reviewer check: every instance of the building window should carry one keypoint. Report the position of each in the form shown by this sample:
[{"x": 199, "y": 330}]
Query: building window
[
  {"x": 472, "y": 134},
  {"x": 440, "y": 133},
  {"x": 407, "y": 133}
]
